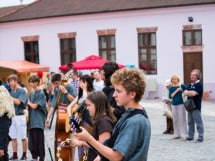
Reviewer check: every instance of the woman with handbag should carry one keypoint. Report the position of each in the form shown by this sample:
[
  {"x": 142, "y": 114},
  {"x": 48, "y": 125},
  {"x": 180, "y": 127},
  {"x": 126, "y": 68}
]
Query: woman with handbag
[{"x": 178, "y": 110}]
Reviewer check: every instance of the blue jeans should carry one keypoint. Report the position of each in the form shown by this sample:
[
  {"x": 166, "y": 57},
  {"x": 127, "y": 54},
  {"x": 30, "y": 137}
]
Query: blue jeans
[{"x": 195, "y": 117}]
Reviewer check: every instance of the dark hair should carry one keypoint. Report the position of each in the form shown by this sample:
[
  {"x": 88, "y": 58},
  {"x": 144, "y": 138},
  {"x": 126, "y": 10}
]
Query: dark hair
[
  {"x": 75, "y": 72},
  {"x": 101, "y": 103},
  {"x": 33, "y": 79},
  {"x": 88, "y": 79},
  {"x": 56, "y": 77},
  {"x": 109, "y": 68}
]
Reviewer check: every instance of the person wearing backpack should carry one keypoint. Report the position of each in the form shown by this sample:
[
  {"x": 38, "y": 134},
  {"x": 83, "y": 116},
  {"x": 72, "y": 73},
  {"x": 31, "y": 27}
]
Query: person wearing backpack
[
  {"x": 37, "y": 116},
  {"x": 131, "y": 135}
]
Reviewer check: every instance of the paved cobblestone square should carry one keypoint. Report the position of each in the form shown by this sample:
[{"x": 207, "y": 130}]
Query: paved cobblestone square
[{"x": 162, "y": 147}]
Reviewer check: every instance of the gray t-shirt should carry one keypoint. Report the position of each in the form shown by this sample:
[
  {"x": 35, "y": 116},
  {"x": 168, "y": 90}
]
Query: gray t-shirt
[
  {"x": 37, "y": 116},
  {"x": 20, "y": 94}
]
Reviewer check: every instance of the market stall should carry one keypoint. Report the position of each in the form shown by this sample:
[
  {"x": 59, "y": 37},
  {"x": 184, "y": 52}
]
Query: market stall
[{"x": 22, "y": 68}]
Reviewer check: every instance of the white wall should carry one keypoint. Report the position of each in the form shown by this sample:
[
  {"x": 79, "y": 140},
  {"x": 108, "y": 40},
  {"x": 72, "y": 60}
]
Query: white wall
[{"x": 169, "y": 38}]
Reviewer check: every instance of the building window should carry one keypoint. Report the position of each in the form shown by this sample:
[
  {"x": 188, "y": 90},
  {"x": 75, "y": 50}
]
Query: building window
[
  {"x": 147, "y": 51},
  {"x": 31, "y": 48},
  {"x": 67, "y": 50},
  {"x": 32, "y": 51},
  {"x": 192, "y": 37},
  {"x": 67, "y": 47},
  {"x": 107, "y": 46}
]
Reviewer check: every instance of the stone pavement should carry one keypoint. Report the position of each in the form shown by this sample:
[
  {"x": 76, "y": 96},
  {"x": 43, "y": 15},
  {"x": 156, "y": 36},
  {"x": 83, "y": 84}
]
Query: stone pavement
[{"x": 162, "y": 147}]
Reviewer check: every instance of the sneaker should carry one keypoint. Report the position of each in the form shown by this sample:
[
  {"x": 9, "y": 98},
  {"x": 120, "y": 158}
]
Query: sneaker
[
  {"x": 23, "y": 158},
  {"x": 13, "y": 158},
  {"x": 189, "y": 139}
]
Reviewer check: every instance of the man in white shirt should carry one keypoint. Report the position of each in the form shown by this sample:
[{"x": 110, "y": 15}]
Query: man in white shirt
[{"x": 98, "y": 83}]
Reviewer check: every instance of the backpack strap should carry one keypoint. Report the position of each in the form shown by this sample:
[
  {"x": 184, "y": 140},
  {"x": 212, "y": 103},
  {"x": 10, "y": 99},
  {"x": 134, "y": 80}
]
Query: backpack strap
[{"x": 111, "y": 141}]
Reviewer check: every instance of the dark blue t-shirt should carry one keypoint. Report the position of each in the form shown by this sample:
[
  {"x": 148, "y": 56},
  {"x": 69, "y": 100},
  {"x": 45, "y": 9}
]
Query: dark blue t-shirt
[{"x": 198, "y": 87}]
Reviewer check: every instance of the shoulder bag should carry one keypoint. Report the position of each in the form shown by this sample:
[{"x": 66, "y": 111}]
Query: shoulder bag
[{"x": 189, "y": 104}]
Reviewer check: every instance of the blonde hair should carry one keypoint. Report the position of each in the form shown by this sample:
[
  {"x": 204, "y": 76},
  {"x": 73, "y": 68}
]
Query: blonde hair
[
  {"x": 6, "y": 103},
  {"x": 175, "y": 77}
]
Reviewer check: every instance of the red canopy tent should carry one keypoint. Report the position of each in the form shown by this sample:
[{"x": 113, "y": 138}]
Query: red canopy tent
[
  {"x": 90, "y": 62},
  {"x": 64, "y": 67}
]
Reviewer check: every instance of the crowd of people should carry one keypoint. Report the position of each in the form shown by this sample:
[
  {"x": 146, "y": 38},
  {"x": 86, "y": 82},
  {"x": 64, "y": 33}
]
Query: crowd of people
[
  {"x": 174, "y": 98},
  {"x": 105, "y": 104}
]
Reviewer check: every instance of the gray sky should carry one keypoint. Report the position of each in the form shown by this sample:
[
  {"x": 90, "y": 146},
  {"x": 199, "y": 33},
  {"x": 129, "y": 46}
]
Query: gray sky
[{"x": 4, "y": 3}]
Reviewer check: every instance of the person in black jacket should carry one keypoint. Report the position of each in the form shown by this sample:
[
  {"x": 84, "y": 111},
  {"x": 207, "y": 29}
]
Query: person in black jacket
[
  {"x": 6, "y": 113},
  {"x": 106, "y": 71}
]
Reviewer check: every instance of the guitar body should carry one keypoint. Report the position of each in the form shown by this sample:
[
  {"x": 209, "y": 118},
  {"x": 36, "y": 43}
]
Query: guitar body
[
  {"x": 67, "y": 125},
  {"x": 67, "y": 153}
]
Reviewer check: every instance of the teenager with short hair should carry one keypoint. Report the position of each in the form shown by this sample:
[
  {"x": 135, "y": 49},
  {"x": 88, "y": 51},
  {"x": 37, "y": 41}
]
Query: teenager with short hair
[
  {"x": 37, "y": 116},
  {"x": 18, "y": 128}
]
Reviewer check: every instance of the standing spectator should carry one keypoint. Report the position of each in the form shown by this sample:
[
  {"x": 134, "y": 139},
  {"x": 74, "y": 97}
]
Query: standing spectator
[
  {"x": 18, "y": 128},
  {"x": 6, "y": 113},
  {"x": 195, "y": 90},
  {"x": 168, "y": 110},
  {"x": 75, "y": 80},
  {"x": 106, "y": 71},
  {"x": 178, "y": 109},
  {"x": 98, "y": 83},
  {"x": 86, "y": 86},
  {"x": 47, "y": 80},
  {"x": 103, "y": 120},
  {"x": 37, "y": 116},
  {"x": 47, "y": 85},
  {"x": 131, "y": 134},
  {"x": 50, "y": 91}
]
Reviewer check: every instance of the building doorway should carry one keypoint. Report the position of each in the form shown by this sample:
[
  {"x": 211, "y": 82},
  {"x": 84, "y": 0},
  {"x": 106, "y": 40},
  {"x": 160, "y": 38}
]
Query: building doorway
[{"x": 192, "y": 61}]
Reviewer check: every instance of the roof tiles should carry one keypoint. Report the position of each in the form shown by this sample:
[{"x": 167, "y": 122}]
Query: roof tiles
[{"x": 56, "y": 8}]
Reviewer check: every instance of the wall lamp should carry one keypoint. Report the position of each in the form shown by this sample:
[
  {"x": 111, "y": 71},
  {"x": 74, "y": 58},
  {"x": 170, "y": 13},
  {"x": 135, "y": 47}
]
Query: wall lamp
[{"x": 190, "y": 19}]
